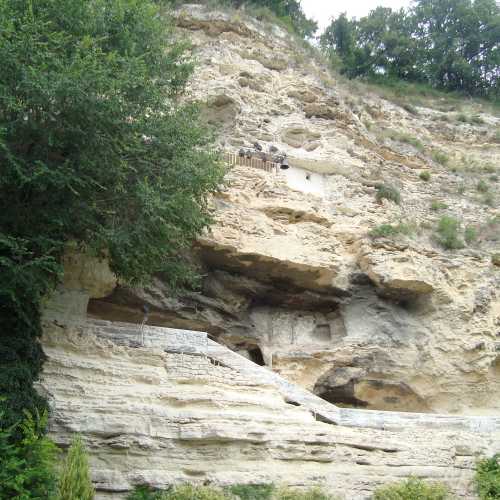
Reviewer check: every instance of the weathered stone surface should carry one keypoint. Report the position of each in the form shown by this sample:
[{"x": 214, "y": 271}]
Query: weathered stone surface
[
  {"x": 85, "y": 272},
  {"x": 170, "y": 406}
]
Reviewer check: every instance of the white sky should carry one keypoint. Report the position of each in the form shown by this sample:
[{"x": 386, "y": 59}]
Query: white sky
[{"x": 322, "y": 10}]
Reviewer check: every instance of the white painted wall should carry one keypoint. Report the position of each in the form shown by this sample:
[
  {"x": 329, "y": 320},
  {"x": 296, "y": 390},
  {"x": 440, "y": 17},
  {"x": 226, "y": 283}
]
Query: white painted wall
[{"x": 304, "y": 180}]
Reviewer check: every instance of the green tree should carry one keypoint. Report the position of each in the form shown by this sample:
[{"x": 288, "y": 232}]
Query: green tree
[
  {"x": 95, "y": 147},
  {"x": 449, "y": 44},
  {"x": 75, "y": 483},
  {"x": 26, "y": 464}
]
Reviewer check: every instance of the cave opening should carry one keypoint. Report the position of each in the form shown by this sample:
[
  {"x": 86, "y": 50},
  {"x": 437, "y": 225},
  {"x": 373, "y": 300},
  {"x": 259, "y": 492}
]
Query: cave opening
[
  {"x": 255, "y": 355},
  {"x": 342, "y": 395}
]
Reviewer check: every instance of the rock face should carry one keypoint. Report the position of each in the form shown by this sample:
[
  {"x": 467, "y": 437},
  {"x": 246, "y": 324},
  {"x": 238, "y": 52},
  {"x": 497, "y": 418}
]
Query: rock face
[
  {"x": 162, "y": 406},
  {"x": 292, "y": 277}
]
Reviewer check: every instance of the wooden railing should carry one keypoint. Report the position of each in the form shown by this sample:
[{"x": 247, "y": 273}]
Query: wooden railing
[{"x": 233, "y": 159}]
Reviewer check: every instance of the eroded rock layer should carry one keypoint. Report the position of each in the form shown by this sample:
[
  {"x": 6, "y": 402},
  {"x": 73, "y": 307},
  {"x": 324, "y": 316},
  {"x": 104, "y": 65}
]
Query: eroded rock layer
[{"x": 160, "y": 406}]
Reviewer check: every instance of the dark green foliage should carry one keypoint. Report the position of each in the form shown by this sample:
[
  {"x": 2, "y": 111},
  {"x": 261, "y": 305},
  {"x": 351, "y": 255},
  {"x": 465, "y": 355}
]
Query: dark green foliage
[
  {"x": 448, "y": 44},
  {"x": 488, "y": 473},
  {"x": 388, "y": 192},
  {"x": 448, "y": 233},
  {"x": 412, "y": 489},
  {"x": 93, "y": 148},
  {"x": 252, "y": 491},
  {"x": 75, "y": 483},
  {"x": 26, "y": 463},
  {"x": 425, "y": 175}
]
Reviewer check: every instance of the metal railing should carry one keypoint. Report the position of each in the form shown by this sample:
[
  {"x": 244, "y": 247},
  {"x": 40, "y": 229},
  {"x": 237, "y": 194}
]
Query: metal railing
[{"x": 233, "y": 159}]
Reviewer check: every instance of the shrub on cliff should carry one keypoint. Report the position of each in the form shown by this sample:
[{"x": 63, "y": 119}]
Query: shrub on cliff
[
  {"x": 26, "y": 464},
  {"x": 385, "y": 191},
  {"x": 94, "y": 147},
  {"x": 488, "y": 478},
  {"x": 412, "y": 489},
  {"x": 75, "y": 483},
  {"x": 448, "y": 233}
]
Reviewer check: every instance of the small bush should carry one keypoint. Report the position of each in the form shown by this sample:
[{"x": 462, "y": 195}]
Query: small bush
[
  {"x": 482, "y": 187},
  {"x": 440, "y": 157},
  {"x": 425, "y": 175},
  {"x": 252, "y": 491},
  {"x": 487, "y": 476},
  {"x": 462, "y": 118},
  {"x": 438, "y": 205},
  {"x": 389, "y": 193},
  {"x": 495, "y": 259},
  {"x": 412, "y": 489},
  {"x": 388, "y": 230},
  {"x": 448, "y": 233},
  {"x": 470, "y": 234},
  {"x": 75, "y": 483}
]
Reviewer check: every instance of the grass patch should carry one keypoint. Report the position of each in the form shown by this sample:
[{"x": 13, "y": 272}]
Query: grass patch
[
  {"x": 482, "y": 187},
  {"x": 235, "y": 492},
  {"x": 252, "y": 491},
  {"x": 404, "y": 138},
  {"x": 437, "y": 205},
  {"x": 440, "y": 157},
  {"x": 390, "y": 230},
  {"x": 413, "y": 489},
  {"x": 470, "y": 234},
  {"x": 385, "y": 191},
  {"x": 425, "y": 175}
]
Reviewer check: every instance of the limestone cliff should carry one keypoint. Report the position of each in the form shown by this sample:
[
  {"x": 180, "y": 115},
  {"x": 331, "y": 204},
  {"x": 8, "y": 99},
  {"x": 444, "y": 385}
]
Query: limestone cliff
[
  {"x": 162, "y": 406},
  {"x": 292, "y": 277}
]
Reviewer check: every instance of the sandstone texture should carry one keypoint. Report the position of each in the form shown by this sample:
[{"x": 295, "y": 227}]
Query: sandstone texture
[
  {"x": 293, "y": 278},
  {"x": 163, "y": 406}
]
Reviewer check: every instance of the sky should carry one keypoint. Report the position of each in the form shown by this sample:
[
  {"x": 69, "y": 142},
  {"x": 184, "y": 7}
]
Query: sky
[{"x": 322, "y": 10}]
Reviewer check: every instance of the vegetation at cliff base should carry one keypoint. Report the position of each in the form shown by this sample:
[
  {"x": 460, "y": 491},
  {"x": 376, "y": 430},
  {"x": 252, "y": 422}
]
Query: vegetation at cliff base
[
  {"x": 95, "y": 148},
  {"x": 27, "y": 464},
  {"x": 488, "y": 478},
  {"x": 447, "y": 44},
  {"x": 74, "y": 482},
  {"x": 235, "y": 492},
  {"x": 412, "y": 489}
]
